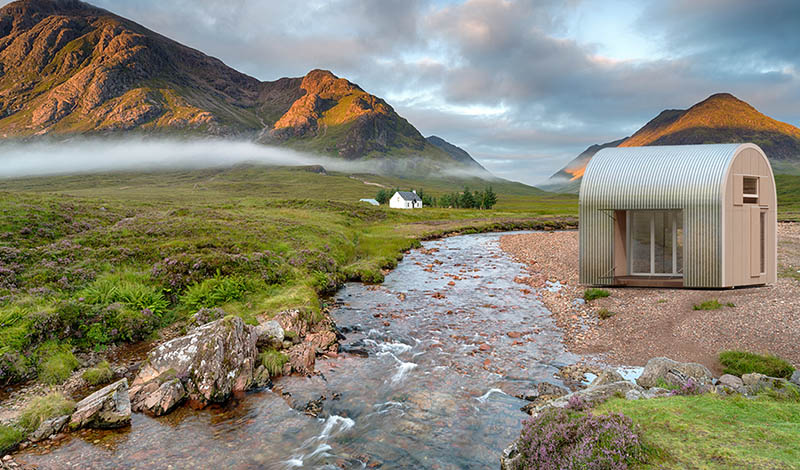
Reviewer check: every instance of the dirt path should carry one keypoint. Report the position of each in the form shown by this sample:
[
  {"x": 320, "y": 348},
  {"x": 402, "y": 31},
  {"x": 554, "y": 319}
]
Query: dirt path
[{"x": 662, "y": 322}]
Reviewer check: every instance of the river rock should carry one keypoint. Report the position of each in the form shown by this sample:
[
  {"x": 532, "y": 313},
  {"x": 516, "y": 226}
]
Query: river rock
[
  {"x": 302, "y": 358},
  {"x": 634, "y": 395},
  {"x": 510, "y": 459},
  {"x": 323, "y": 341},
  {"x": 109, "y": 407},
  {"x": 293, "y": 320},
  {"x": 270, "y": 334},
  {"x": 49, "y": 427},
  {"x": 261, "y": 378},
  {"x": 656, "y": 392},
  {"x": 595, "y": 395},
  {"x": 207, "y": 315},
  {"x": 731, "y": 381},
  {"x": 753, "y": 378},
  {"x": 673, "y": 372},
  {"x": 756, "y": 383},
  {"x": 212, "y": 361},
  {"x": 606, "y": 376},
  {"x": 795, "y": 377},
  {"x": 165, "y": 398}
]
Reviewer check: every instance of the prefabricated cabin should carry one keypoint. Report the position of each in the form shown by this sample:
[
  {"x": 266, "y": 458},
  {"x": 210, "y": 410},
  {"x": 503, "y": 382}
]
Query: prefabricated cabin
[{"x": 698, "y": 216}]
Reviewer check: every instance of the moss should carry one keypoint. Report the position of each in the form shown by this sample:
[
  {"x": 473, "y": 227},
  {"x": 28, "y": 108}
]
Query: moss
[
  {"x": 99, "y": 374},
  {"x": 43, "y": 408},
  {"x": 273, "y": 361}
]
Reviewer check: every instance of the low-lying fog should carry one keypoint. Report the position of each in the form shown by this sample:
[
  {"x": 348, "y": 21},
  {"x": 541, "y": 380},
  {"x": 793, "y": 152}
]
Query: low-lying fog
[{"x": 101, "y": 155}]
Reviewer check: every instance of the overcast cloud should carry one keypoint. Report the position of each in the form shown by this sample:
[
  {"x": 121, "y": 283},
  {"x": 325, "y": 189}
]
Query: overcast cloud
[{"x": 522, "y": 85}]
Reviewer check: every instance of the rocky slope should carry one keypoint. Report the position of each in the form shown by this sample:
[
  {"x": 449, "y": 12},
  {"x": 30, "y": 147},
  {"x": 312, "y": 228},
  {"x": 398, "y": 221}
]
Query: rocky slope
[
  {"x": 69, "y": 68},
  {"x": 721, "y": 118}
]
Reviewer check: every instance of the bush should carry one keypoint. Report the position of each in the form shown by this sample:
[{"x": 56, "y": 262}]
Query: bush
[
  {"x": 99, "y": 374},
  {"x": 741, "y": 362},
  {"x": 591, "y": 294},
  {"x": 708, "y": 305},
  {"x": 43, "y": 408},
  {"x": 57, "y": 363},
  {"x": 9, "y": 437},
  {"x": 273, "y": 361},
  {"x": 214, "y": 292},
  {"x": 560, "y": 439}
]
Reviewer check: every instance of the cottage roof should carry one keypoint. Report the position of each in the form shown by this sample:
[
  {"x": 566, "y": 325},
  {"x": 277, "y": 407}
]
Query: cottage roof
[{"x": 409, "y": 196}]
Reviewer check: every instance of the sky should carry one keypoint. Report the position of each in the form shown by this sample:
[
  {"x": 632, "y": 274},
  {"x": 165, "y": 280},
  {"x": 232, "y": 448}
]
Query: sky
[{"x": 524, "y": 85}]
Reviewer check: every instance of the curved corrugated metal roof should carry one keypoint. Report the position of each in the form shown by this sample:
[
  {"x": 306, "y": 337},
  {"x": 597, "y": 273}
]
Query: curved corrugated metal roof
[
  {"x": 689, "y": 178},
  {"x": 640, "y": 177}
]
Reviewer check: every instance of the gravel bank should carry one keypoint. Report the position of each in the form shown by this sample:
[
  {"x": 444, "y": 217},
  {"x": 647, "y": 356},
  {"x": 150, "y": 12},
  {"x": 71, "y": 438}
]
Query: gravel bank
[{"x": 649, "y": 322}]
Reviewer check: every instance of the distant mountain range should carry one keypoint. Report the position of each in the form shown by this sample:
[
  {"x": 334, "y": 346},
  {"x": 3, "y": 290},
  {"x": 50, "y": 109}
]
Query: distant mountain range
[
  {"x": 68, "y": 68},
  {"x": 721, "y": 118}
]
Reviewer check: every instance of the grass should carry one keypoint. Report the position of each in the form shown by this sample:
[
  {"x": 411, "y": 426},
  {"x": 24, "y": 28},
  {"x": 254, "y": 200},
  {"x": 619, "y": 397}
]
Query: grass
[
  {"x": 273, "y": 361},
  {"x": 99, "y": 374},
  {"x": 712, "y": 304},
  {"x": 10, "y": 436},
  {"x": 43, "y": 408},
  {"x": 605, "y": 314},
  {"x": 592, "y": 294},
  {"x": 710, "y": 432},
  {"x": 57, "y": 364},
  {"x": 94, "y": 260},
  {"x": 742, "y": 362}
]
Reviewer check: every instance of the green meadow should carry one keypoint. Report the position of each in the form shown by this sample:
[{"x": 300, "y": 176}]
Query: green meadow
[{"x": 88, "y": 261}]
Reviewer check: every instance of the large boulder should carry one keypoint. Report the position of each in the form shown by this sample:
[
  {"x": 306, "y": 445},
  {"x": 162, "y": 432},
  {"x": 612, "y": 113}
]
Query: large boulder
[
  {"x": 673, "y": 373},
  {"x": 49, "y": 427},
  {"x": 731, "y": 381},
  {"x": 109, "y": 407},
  {"x": 270, "y": 334},
  {"x": 210, "y": 363}
]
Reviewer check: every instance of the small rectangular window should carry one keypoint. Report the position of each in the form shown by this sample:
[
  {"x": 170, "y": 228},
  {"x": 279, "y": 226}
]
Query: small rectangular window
[{"x": 750, "y": 189}]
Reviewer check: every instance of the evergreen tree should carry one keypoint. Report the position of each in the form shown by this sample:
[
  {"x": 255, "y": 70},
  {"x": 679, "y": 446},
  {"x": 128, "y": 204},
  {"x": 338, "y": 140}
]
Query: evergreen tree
[
  {"x": 489, "y": 198},
  {"x": 467, "y": 200},
  {"x": 383, "y": 196}
]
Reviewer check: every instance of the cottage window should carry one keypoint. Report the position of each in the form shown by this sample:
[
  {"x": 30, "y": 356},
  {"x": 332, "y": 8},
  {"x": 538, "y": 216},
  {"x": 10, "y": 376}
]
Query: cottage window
[{"x": 750, "y": 190}]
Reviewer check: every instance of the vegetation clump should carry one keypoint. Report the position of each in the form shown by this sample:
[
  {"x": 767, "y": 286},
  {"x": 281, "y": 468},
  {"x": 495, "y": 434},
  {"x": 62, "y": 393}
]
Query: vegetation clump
[
  {"x": 57, "y": 364},
  {"x": 215, "y": 292},
  {"x": 273, "y": 361},
  {"x": 593, "y": 293},
  {"x": 99, "y": 374},
  {"x": 563, "y": 439},
  {"x": 10, "y": 436},
  {"x": 742, "y": 362},
  {"x": 605, "y": 314},
  {"x": 712, "y": 304},
  {"x": 43, "y": 408}
]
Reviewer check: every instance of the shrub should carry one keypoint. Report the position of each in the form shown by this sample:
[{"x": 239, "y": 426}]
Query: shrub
[
  {"x": 9, "y": 437},
  {"x": 99, "y": 374},
  {"x": 741, "y": 362},
  {"x": 273, "y": 361},
  {"x": 708, "y": 305},
  {"x": 57, "y": 363},
  {"x": 559, "y": 439},
  {"x": 214, "y": 292},
  {"x": 591, "y": 294},
  {"x": 41, "y": 409},
  {"x": 604, "y": 314},
  {"x": 689, "y": 388}
]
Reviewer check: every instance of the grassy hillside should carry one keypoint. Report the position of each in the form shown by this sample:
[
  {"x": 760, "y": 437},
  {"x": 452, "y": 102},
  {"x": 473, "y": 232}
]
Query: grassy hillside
[{"x": 92, "y": 260}]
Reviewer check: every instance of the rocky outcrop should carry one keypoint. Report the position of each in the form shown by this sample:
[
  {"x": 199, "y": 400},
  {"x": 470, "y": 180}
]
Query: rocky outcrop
[
  {"x": 270, "y": 334},
  {"x": 674, "y": 373},
  {"x": 208, "y": 364},
  {"x": 109, "y": 407},
  {"x": 49, "y": 427}
]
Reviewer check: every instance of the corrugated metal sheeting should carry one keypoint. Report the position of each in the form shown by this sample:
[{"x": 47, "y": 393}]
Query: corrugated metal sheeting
[{"x": 680, "y": 177}]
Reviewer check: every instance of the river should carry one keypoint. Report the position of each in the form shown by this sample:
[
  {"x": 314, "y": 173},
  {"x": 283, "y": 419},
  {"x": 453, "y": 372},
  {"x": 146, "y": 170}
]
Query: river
[{"x": 449, "y": 336}]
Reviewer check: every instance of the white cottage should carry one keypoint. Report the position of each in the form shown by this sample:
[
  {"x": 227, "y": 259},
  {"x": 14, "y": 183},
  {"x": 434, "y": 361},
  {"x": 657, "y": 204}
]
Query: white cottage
[{"x": 405, "y": 200}]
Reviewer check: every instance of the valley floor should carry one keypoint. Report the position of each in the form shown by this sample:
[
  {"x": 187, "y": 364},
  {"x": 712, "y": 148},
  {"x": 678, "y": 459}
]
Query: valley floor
[{"x": 650, "y": 322}]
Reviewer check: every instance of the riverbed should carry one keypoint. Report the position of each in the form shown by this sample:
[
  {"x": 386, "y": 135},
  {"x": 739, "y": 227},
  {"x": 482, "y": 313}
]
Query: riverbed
[{"x": 449, "y": 338}]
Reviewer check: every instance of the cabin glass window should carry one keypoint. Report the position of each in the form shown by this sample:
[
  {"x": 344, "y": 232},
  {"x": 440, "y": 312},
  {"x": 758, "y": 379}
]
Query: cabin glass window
[
  {"x": 655, "y": 242},
  {"x": 750, "y": 189}
]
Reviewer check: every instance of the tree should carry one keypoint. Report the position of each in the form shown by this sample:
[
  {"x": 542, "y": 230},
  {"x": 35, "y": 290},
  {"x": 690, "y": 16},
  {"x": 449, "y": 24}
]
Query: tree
[
  {"x": 383, "y": 196},
  {"x": 489, "y": 198},
  {"x": 427, "y": 201},
  {"x": 466, "y": 200}
]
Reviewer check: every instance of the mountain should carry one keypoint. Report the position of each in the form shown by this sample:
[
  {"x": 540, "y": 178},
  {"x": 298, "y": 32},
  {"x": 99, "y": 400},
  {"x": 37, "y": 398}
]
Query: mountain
[
  {"x": 457, "y": 153},
  {"x": 720, "y": 118},
  {"x": 68, "y": 68}
]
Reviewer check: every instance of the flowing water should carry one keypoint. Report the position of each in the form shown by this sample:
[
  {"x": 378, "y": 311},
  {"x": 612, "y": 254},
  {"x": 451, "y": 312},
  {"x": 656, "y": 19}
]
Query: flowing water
[{"x": 449, "y": 336}]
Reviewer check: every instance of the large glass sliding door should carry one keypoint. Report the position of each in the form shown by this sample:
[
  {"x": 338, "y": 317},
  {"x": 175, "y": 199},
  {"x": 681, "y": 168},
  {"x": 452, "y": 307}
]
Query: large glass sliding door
[{"x": 655, "y": 243}]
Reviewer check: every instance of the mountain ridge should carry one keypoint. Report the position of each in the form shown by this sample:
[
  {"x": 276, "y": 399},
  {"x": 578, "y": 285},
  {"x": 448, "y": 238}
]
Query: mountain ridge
[
  {"x": 69, "y": 68},
  {"x": 720, "y": 118}
]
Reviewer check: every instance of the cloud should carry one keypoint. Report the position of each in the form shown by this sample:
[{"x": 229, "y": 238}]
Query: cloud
[{"x": 514, "y": 82}]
